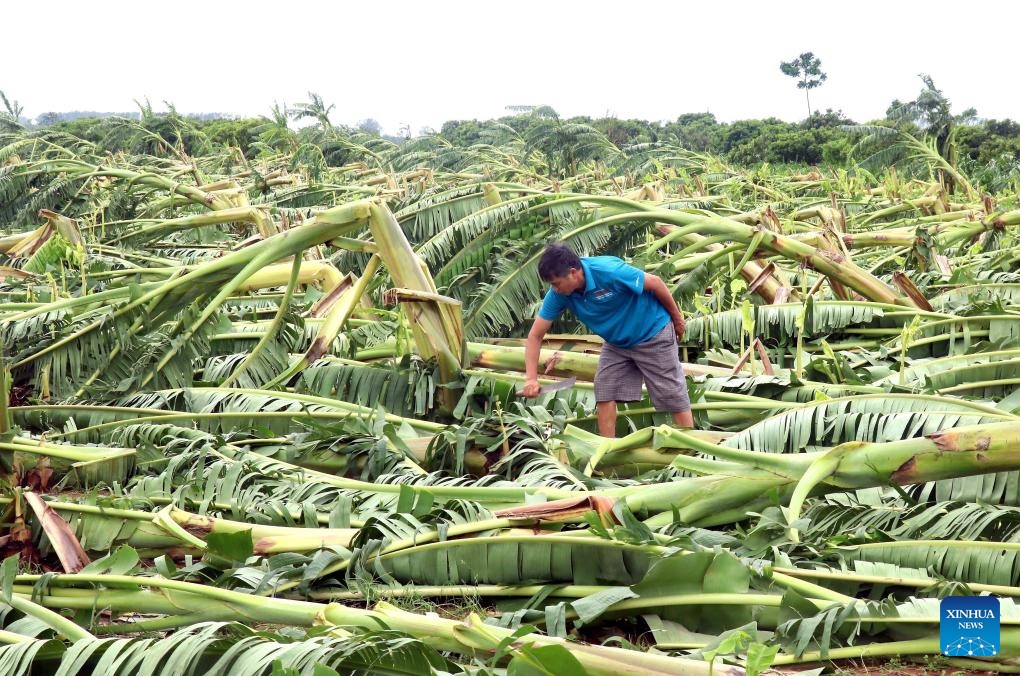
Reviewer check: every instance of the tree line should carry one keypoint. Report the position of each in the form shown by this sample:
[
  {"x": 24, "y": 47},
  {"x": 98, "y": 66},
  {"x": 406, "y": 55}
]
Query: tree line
[{"x": 824, "y": 139}]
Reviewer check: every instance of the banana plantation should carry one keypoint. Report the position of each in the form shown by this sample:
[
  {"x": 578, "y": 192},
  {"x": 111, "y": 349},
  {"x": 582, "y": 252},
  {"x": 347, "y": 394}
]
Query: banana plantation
[{"x": 260, "y": 408}]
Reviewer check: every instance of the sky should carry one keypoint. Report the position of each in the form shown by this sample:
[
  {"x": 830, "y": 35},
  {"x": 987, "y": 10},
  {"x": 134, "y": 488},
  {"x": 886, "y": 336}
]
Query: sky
[{"x": 424, "y": 62}]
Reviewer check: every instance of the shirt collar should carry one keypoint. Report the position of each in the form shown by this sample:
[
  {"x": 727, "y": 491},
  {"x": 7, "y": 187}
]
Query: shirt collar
[{"x": 589, "y": 278}]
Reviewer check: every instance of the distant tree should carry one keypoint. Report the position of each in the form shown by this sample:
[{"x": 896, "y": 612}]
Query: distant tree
[
  {"x": 315, "y": 109},
  {"x": 462, "y": 132},
  {"x": 920, "y": 135},
  {"x": 564, "y": 144},
  {"x": 168, "y": 134},
  {"x": 747, "y": 141},
  {"x": 931, "y": 113},
  {"x": 274, "y": 133},
  {"x": 48, "y": 119},
  {"x": 808, "y": 68},
  {"x": 370, "y": 126},
  {"x": 893, "y": 107},
  {"x": 10, "y": 118},
  {"x": 1005, "y": 127},
  {"x": 242, "y": 134},
  {"x": 828, "y": 119},
  {"x": 14, "y": 109},
  {"x": 625, "y": 132},
  {"x": 697, "y": 131}
]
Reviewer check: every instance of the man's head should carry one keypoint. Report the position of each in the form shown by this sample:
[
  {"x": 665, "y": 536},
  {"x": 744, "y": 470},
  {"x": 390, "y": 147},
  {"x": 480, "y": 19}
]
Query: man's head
[{"x": 561, "y": 267}]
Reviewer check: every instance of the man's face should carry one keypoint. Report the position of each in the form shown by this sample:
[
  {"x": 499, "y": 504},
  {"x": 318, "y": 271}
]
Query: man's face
[{"x": 569, "y": 283}]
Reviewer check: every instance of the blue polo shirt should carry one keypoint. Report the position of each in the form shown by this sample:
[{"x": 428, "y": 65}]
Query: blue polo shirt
[{"x": 613, "y": 304}]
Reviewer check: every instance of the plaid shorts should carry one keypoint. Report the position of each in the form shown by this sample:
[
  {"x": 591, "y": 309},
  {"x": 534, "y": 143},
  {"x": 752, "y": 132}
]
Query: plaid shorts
[{"x": 656, "y": 361}]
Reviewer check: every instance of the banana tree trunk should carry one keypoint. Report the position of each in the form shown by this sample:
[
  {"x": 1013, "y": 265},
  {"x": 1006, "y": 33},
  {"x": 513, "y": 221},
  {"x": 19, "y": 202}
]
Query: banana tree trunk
[
  {"x": 471, "y": 636},
  {"x": 557, "y": 362},
  {"x": 833, "y": 265},
  {"x": 436, "y": 325},
  {"x": 769, "y": 287},
  {"x": 740, "y": 481}
]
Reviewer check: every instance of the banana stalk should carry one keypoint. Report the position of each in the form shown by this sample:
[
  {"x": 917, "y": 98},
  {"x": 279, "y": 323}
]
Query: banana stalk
[{"x": 472, "y": 637}]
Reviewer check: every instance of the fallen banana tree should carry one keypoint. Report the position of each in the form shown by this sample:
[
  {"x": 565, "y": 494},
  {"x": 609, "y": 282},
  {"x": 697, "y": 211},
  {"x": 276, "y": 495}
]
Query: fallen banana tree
[
  {"x": 207, "y": 286},
  {"x": 188, "y": 603},
  {"x": 263, "y": 383}
]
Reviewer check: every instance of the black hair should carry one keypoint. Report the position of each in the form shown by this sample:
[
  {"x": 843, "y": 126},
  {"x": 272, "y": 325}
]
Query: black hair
[{"x": 556, "y": 261}]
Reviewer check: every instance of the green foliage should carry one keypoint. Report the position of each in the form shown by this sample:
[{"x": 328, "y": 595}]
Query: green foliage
[
  {"x": 226, "y": 648},
  {"x": 809, "y": 506}
]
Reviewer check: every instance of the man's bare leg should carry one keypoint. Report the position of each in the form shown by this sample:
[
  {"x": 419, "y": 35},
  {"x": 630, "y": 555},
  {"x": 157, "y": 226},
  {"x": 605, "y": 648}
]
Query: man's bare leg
[
  {"x": 683, "y": 419},
  {"x": 606, "y": 412}
]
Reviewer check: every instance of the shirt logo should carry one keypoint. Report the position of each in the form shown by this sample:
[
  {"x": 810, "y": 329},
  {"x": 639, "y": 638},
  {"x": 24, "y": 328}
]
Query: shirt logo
[
  {"x": 969, "y": 626},
  {"x": 602, "y": 294}
]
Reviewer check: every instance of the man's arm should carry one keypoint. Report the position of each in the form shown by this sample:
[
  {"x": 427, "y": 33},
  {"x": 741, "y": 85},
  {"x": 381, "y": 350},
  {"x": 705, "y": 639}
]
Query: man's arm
[
  {"x": 655, "y": 286},
  {"x": 532, "y": 349}
]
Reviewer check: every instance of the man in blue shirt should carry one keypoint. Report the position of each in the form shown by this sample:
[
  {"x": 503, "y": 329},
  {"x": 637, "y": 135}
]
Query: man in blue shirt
[{"x": 635, "y": 315}]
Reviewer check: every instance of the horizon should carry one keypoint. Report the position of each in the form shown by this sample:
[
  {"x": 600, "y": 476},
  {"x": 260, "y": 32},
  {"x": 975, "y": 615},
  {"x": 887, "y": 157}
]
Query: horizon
[{"x": 298, "y": 124}]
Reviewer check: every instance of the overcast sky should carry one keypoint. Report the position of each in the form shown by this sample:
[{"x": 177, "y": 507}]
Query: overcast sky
[{"x": 425, "y": 62}]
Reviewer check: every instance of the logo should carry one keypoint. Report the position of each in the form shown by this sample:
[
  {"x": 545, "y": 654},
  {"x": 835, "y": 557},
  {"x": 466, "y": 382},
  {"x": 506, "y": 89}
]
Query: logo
[
  {"x": 969, "y": 626},
  {"x": 603, "y": 294}
]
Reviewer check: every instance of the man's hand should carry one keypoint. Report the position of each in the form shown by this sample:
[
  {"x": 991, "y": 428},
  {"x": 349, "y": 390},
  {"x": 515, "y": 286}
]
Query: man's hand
[
  {"x": 679, "y": 326},
  {"x": 655, "y": 286},
  {"x": 531, "y": 388}
]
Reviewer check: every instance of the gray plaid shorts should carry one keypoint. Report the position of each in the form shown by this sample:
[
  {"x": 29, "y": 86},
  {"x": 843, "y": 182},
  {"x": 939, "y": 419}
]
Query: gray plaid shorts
[{"x": 656, "y": 361}]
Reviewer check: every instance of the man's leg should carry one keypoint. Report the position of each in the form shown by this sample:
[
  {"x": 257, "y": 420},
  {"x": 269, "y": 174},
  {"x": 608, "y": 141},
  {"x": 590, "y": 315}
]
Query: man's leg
[
  {"x": 659, "y": 362},
  {"x": 606, "y": 411},
  {"x": 616, "y": 379}
]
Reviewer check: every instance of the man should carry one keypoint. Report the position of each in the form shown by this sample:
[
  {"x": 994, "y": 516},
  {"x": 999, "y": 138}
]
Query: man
[{"x": 635, "y": 315}]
